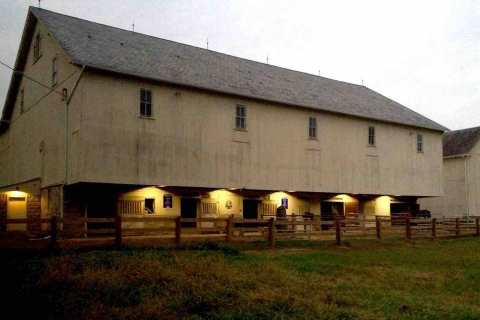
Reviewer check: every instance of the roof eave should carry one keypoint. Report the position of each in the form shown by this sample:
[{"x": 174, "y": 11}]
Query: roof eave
[
  {"x": 452, "y": 156},
  {"x": 19, "y": 65}
]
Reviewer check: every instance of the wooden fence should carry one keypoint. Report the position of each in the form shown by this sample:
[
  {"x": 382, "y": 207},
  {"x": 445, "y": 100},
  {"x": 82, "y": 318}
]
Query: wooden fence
[{"x": 178, "y": 230}]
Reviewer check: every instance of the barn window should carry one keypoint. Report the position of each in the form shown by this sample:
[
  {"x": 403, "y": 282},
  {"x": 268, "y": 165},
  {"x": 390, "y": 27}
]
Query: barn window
[
  {"x": 149, "y": 205},
  {"x": 37, "y": 53},
  {"x": 371, "y": 136},
  {"x": 241, "y": 117},
  {"x": 54, "y": 72},
  {"x": 419, "y": 143},
  {"x": 312, "y": 127},
  {"x": 145, "y": 103}
]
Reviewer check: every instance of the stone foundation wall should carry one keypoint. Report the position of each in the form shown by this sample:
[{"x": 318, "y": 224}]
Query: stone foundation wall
[
  {"x": 73, "y": 227},
  {"x": 3, "y": 212},
  {"x": 72, "y": 211},
  {"x": 34, "y": 214},
  {"x": 53, "y": 199}
]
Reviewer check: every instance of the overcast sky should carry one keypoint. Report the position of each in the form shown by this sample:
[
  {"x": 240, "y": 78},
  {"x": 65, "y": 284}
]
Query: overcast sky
[{"x": 423, "y": 54}]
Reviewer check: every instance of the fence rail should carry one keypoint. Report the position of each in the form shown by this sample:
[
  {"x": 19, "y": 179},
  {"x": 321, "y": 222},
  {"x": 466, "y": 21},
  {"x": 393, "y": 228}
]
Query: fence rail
[{"x": 235, "y": 229}]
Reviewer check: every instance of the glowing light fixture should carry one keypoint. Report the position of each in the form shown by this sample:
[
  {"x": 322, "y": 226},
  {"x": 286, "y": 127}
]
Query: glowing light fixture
[
  {"x": 345, "y": 198},
  {"x": 16, "y": 194}
]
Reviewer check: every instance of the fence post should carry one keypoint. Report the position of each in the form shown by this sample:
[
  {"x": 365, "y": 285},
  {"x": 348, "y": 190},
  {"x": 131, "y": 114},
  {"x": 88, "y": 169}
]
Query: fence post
[
  {"x": 53, "y": 233},
  {"x": 363, "y": 224},
  {"x": 378, "y": 227},
  {"x": 293, "y": 226},
  {"x": 85, "y": 223},
  {"x": 229, "y": 227},
  {"x": 309, "y": 228},
  {"x": 408, "y": 228},
  {"x": 118, "y": 230},
  {"x": 178, "y": 230},
  {"x": 457, "y": 227},
  {"x": 434, "y": 228},
  {"x": 338, "y": 231},
  {"x": 271, "y": 232},
  {"x": 477, "y": 226}
]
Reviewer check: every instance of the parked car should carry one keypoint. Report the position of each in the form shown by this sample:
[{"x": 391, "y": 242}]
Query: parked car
[{"x": 423, "y": 214}]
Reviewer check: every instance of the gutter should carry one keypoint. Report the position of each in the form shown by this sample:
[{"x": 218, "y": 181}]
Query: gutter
[
  {"x": 67, "y": 130},
  {"x": 67, "y": 123},
  {"x": 465, "y": 155},
  {"x": 75, "y": 85},
  {"x": 467, "y": 197}
]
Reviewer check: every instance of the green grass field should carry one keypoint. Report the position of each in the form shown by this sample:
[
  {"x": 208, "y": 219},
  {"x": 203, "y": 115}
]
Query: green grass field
[{"x": 360, "y": 280}]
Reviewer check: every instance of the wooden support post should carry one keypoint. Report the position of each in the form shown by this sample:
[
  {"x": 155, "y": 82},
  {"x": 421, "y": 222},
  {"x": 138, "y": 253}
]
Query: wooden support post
[
  {"x": 291, "y": 227},
  {"x": 118, "y": 230},
  {"x": 362, "y": 224},
  {"x": 271, "y": 232},
  {"x": 408, "y": 228},
  {"x": 309, "y": 227},
  {"x": 85, "y": 224},
  {"x": 378, "y": 227},
  {"x": 434, "y": 228},
  {"x": 53, "y": 233},
  {"x": 229, "y": 229},
  {"x": 477, "y": 227},
  {"x": 457, "y": 227},
  {"x": 338, "y": 231},
  {"x": 178, "y": 230}
]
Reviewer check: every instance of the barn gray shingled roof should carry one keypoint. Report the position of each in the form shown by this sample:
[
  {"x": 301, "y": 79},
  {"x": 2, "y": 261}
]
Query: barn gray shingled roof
[
  {"x": 460, "y": 142},
  {"x": 108, "y": 48}
]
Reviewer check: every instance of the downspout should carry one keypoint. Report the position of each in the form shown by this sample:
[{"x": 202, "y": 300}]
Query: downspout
[
  {"x": 467, "y": 198},
  {"x": 68, "y": 99}
]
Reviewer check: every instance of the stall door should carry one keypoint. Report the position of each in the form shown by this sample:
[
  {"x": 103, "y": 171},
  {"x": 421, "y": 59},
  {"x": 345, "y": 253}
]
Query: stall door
[
  {"x": 188, "y": 207},
  {"x": 399, "y": 209},
  {"x": 332, "y": 209},
  {"x": 329, "y": 211},
  {"x": 250, "y": 209},
  {"x": 17, "y": 209}
]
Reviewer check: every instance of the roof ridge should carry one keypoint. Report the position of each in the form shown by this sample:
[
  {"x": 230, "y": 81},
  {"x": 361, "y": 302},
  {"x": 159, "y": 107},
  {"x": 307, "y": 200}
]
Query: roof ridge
[
  {"x": 464, "y": 129},
  {"x": 193, "y": 46}
]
